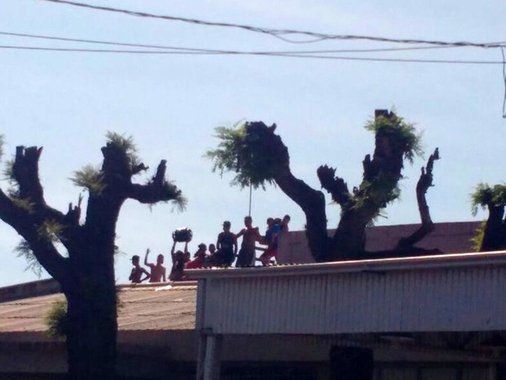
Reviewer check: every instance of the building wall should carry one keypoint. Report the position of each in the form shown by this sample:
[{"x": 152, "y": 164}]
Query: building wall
[
  {"x": 452, "y": 237},
  {"x": 371, "y": 299}
]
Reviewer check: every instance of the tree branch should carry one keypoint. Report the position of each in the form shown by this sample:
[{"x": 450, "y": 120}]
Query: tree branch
[
  {"x": 25, "y": 172},
  {"x": 427, "y": 226},
  {"x": 156, "y": 190},
  {"x": 26, "y": 224},
  {"x": 335, "y": 186}
]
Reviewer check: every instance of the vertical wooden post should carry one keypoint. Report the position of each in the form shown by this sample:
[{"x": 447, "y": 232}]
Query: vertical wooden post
[
  {"x": 201, "y": 354},
  {"x": 212, "y": 357},
  {"x": 351, "y": 363}
]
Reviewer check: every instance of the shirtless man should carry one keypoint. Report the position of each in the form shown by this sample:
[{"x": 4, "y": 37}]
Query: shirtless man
[
  {"x": 226, "y": 248},
  {"x": 137, "y": 271},
  {"x": 250, "y": 235},
  {"x": 157, "y": 270},
  {"x": 179, "y": 259}
]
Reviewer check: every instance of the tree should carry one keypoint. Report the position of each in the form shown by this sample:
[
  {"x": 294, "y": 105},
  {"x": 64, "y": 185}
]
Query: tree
[
  {"x": 258, "y": 156},
  {"x": 492, "y": 235},
  {"x": 86, "y": 272}
]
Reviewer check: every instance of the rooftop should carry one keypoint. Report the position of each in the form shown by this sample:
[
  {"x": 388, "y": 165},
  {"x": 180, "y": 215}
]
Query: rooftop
[{"x": 142, "y": 307}]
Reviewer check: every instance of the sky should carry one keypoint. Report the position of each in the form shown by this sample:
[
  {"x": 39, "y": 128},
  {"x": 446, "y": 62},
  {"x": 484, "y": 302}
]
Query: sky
[{"x": 171, "y": 104}]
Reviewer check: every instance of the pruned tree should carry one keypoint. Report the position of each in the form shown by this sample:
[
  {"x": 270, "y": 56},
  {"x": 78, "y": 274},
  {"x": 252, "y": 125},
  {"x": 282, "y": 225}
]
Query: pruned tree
[
  {"x": 258, "y": 156},
  {"x": 85, "y": 268},
  {"x": 492, "y": 235}
]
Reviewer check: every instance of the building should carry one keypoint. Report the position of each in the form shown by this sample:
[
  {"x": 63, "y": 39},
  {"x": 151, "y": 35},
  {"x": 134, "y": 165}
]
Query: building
[{"x": 437, "y": 317}]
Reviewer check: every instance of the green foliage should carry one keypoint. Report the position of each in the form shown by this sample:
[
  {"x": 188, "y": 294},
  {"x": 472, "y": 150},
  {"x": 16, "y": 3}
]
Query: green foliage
[
  {"x": 402, "y": 133},
  {"x": 8, "y": 171},
  {"x": 251, "y": 150},
  {"x": 225, "y": 157},
  {"x": 89, "y": 178},
  {"x": 57, "y": 320},
  {"x": 25, "y": 204},
  {"x": 2, "y": 142},
  {"x": 484, "y": 196},
  {"x": 23, "y": 250},
  {"x": 376, "y": 195},
  {"x": 172, "y": 193},
  {"x": 50, "y": 230},
  {"x": 125, "y": 144},
  {"x": 477, "y": 239}
]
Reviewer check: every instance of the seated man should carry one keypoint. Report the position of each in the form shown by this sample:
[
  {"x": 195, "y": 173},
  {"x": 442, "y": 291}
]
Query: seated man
[{"x": 199, "y": 259}]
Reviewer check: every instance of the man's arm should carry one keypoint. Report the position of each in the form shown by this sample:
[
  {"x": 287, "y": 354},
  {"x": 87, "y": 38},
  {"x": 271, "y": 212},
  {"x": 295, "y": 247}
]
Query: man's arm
[
  {"x": 172, "y": 251},
  {"x": 218, "y": 242},
  {"x": 146, "y": 273},
  {"x": 146, "y": 257},
  {"x": 187, "y": 255}
]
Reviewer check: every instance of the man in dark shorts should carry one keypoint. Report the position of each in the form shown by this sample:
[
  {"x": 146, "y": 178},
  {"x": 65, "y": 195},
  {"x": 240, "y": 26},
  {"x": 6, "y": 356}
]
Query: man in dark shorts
[
  {"x": 226, "y": 248},
  {"x": 250, "y": 235}
]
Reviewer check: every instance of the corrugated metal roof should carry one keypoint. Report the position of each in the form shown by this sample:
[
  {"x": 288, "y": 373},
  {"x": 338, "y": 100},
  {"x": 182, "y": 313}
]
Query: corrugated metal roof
[
  {"x": 460, "y": 292},
  {"x": 158, "y": 307}
]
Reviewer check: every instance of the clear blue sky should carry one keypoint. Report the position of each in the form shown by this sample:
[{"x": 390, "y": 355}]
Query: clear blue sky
[{"x": 170, "y": 104}]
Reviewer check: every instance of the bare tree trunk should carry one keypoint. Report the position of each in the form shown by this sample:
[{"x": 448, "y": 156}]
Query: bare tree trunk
[
  {"x": 494, "y": 235},
  {"x": 92, "y": 330}
]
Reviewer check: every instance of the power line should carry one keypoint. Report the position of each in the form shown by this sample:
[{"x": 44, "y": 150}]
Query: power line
[
  {"x": 115, "y": 43},
  {"x": 504, "y": 79},
  {"x": 283, "y": 34},
  {"x": 265, "y": 54}
]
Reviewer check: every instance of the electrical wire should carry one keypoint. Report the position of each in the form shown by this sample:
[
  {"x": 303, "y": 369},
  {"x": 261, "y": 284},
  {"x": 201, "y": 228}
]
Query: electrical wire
[
  {"x": 282, "y": 34},
  {"x": 504, "y": 78},
  {"x": 265, "y": 54},
  {"x": 151, "y": 46}
]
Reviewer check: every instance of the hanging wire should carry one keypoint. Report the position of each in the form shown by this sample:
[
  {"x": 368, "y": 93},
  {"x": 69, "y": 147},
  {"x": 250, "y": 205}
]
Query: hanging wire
[
  {"x": 250, "y": 196},
  {"x": 504, "y": 78},
  {"x": 280, "y": 33}
]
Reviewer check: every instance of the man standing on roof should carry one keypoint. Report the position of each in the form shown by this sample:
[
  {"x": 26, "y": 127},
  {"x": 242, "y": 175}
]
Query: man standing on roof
[
  {"x": 137, "y": 271},
  {"x": 250, "y": 235},
  {"x": 226, "y": 247},
  {"x": 157, "y": 270}
]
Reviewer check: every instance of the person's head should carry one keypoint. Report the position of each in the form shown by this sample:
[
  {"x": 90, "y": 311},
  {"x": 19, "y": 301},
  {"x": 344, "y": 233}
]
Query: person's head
[
  {"x": 159, "y": 259},
  {"x": 135, "y": 260},
  {"x": 201, "y": 251},
  {"x": 179, "y": 254},
  {"x": 286, "y": 219},
  {"x": 277, "y": 221},
  {"x": 270, "y": 221},
  {"x": 226, "y": 225},
  {"x": 212, "y": 248},
  {"x": 248, "y": 221}
]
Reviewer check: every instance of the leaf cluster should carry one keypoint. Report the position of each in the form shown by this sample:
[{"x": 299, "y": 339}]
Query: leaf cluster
[
  {"x": 485, "y": 195},
  {"x": 57, "y": 320},
  {"x": 127, "y": 145},
  {"x": 175, "y": 195},
  {"x": 2, "y": 142},
  {"x": 23, "y": 250},
  {"x": 251, "y": 150},
  {"x": 400, "y": 132},
  {"x": 479, "y": 234},
  {"x": 89, "y": 178},
  {"x": 50, "y": 230}
]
